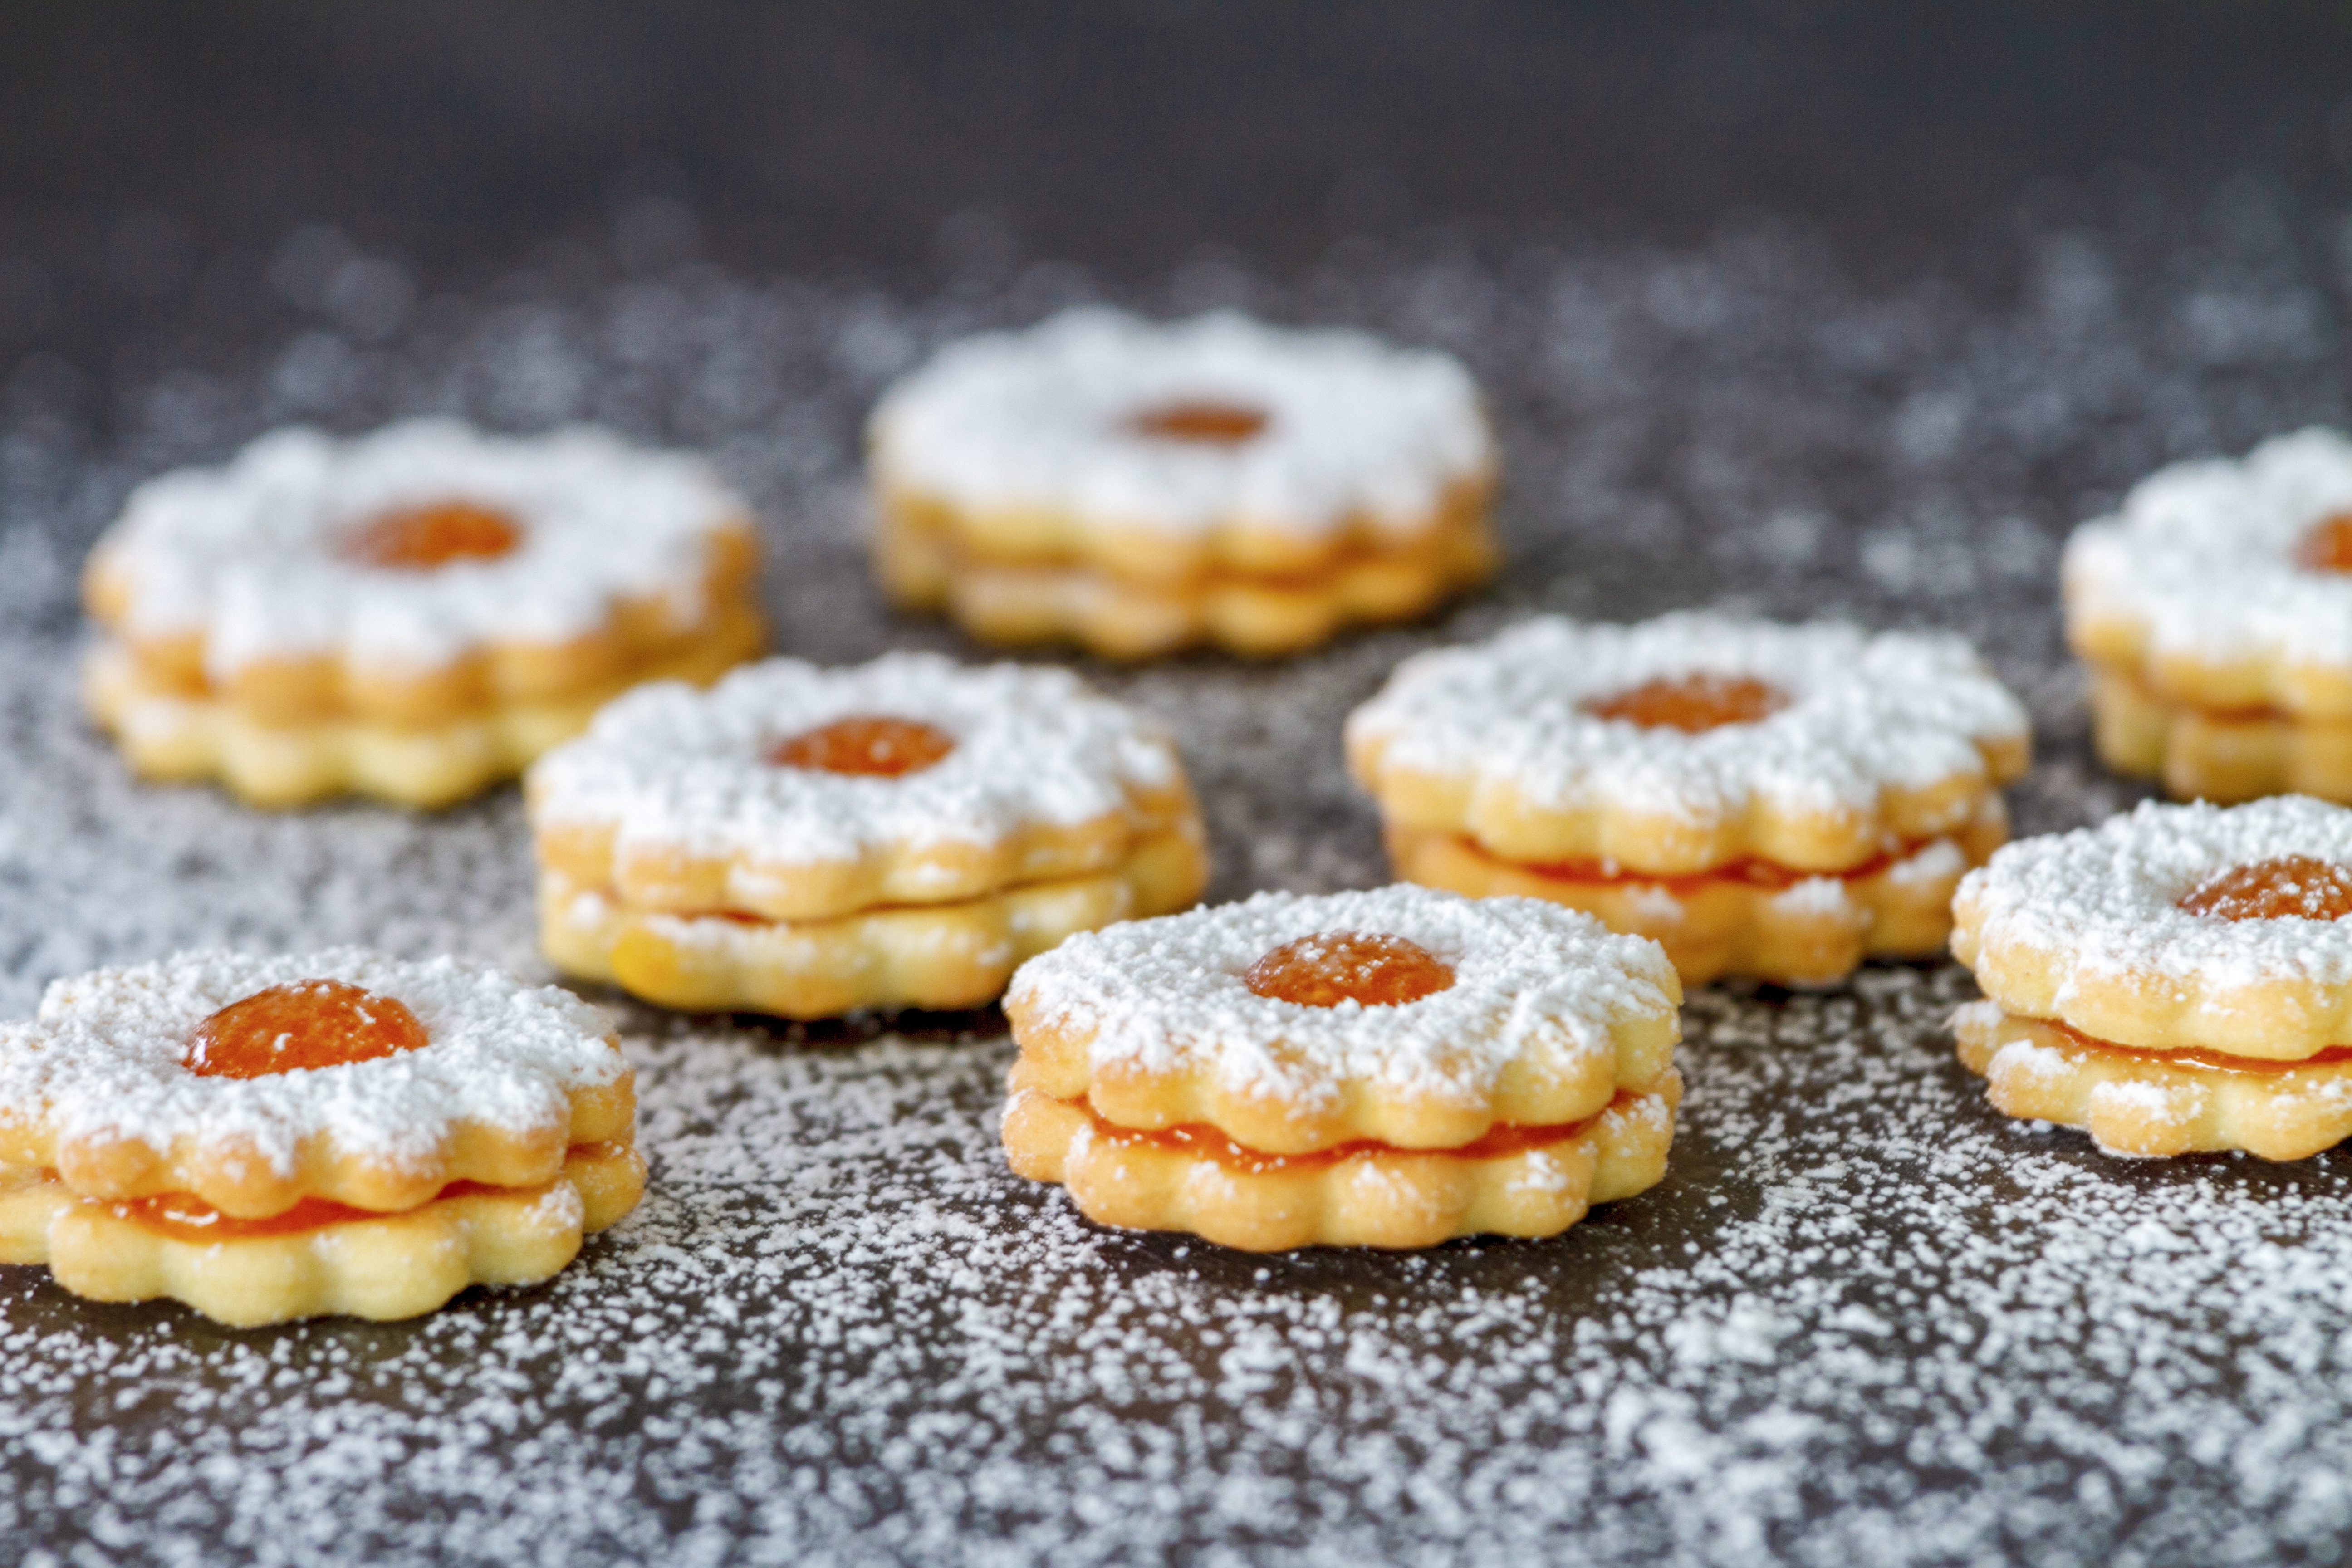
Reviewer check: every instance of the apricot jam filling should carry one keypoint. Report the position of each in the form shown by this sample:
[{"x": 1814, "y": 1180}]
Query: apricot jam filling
[
  {"x": 1334, "y": 966},
  {"x": 1208, "y": 1142},
  {"x": 1748, "y": 871},
  {"x": 2327, "y": 545},
  {"x": 871, "y": 745},
  {"x": 309, "y": 1024},
  {"x": 1202, "y": 423},
  {"x": 2284, "y": 886},
  {"x": 1693, "y": 703},
  {"x": 2212, "y": 1061},
  {"x": 427, "y": 537}
]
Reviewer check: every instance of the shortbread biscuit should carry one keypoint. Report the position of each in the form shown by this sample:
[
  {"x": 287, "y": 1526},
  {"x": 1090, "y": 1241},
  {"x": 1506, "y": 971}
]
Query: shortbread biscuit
[
  {"x": 2223, "y": 755},
  {"x": 423, "y": 583},
  {"x": 2104, "y": 930},
  {"x": 319, "y": 1258},
  {"x": 2223, "y": 586},
  {"x": 936, "y": 955},
  {"x": 2158, "y": 1102},
  {"x": 1257, "y": 1073},
  {"x": 1751, "y": 918},
  {"x": 1138, "y": 487},
  {"x": 470, "y": 1077},
  {"x": 1689, "y": 743},
  {"x": 809, "y": 841},
  {"x": 1017, "y": 602}
]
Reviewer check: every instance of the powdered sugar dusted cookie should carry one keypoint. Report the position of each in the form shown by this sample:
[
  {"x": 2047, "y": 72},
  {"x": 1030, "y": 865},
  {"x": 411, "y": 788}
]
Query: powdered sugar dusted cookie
[
  {"x": 267, "y": 1138},
  {"x": 1138, "y": 487},
  {"x": 1385, "y": 1068},
  {"x": 411, "y": 612},
  {"x": 900, "y": 833},
  {"x": 2215, "y": 608},
  {"x": 1778, "y": 801}
]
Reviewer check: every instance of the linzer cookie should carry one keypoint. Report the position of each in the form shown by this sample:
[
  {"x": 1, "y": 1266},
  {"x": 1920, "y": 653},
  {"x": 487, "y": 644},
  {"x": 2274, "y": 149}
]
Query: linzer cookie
[
  {"x": 271, "y": 1139},
  {"x": 1778, "y": 802},
  {"x": 1138, "y": 487},
  {"x": 1387, "y": 1068},
  {"x": 415, "y": 615},
  {"x": 2214, "y": 608},
  {"x": 2177, "y": 979},
  {"x": 806, "y": 842}
]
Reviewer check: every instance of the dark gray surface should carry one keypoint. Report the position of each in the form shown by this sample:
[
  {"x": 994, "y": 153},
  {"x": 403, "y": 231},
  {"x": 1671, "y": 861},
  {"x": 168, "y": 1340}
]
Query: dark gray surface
[{"x": 1863, "y": 1320}]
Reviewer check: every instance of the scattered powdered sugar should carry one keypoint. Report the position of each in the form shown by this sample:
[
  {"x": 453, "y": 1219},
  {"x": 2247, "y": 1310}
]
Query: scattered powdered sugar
[
  {"x": 249, "y": 555},
  {"x": 1167, "y": 995},
  {"x": 1038, "y": 420},
  {"x": 107, "y": 1056},
  {"x": 2202, "y": 555},
  {"x": 1864, "y": 712},
  {"x": 2105, "y": 899},
  {"x": 1865, "y": 1319},
  {"x": 672, "y": 766}
]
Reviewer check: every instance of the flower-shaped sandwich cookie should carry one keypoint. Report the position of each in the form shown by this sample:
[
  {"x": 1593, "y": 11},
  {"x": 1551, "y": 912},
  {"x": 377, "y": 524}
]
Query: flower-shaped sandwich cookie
[
  {"x": 2173, "y": 980},
  {"x": 901, "y": 834},
  {"x": 1387, "y": 1068},
  {"x": 269, "y": 1139},
  {"x": 2215, "y": 611},
  {"x": 1139, "y": 488},
  {"x": 413, "y": 615},
  {"x": 1773, "y": 801}
]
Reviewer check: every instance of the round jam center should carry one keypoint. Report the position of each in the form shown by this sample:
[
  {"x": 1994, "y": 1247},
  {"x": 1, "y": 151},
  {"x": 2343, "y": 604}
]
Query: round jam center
[
  {"x": 1692, "y": 703},
  {"x": 2290, "y": 886},
  {"x": 427, "y": 537},
  {"x": 1208, "y": 423},
  {"x": 2327, "y": 547},
  {"x": 1335, "y": 966},
  {"x": 309, "y": 1024},
  {"x": 868, "y": 743}
]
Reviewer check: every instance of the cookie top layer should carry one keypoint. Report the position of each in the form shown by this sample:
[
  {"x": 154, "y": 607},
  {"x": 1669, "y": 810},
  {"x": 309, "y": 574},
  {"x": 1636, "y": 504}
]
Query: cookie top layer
[
  {"x": 256, "y": 557},
  {"x": 1517, "y": 732},
  {"x": 2090, "y": 928},
  {"x": 1170, "y": 999},
  {"x": 107, "y": 1060},
  {"x": 2203, "y": 557},
  {"x": 673, "y": 769},
  {"x": 1083, "y": 416}
]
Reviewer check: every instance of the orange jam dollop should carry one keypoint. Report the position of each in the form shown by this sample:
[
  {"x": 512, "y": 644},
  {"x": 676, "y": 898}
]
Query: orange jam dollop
[
  {"x": 1692, "y": 703},
  {"x": 2284, "y": 886},
  {"x": 427, "y": 537},
  {"x": 872, "y": 746},
  {"x": 309, "y": 1024},
  {"x": 1334, "y": 966},
  {"x": 1207, "y": 424},
  {"x": 2327, "y": 545}
]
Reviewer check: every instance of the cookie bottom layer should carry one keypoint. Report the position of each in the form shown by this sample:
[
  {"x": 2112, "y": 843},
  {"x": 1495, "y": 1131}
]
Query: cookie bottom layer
[
  {"x": 170, "y": 736},
  {"x": 2156, "y": 1104},
  {"x": 1516, "y": 1182},
  {"x": 382, "y": 1266},
  {"x": 1015, "y": 602},
  {"x": 947, "y": 955},
  {"x": 1785, "y": 927},
  {"x": 2223, "y": 755}
]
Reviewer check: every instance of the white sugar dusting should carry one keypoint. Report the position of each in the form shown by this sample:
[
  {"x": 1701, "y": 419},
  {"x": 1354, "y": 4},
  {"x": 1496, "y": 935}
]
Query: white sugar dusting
[
  {"x": 1170, "y": 994},
  {"x": 1866, "y": 1319},
  {"x": 1355, "y": 430},
  {"x": 1863, "y": 713},
  {"x": 671, "y": 767}
]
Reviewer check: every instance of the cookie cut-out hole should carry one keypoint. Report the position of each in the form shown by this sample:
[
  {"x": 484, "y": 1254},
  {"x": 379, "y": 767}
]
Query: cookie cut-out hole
[
  {"x": 1205, "y": 423},
  {"x": 309, "y": 1024},
  {"x": 2326, "y": 546},
  {"x": 427, "y": 537},
  {"x": 1335, "y": 966},
  {"x": 2298, "y": 887},
  {"x": 1693, "y": 703},
  {"x": 870, "y": 744}
]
